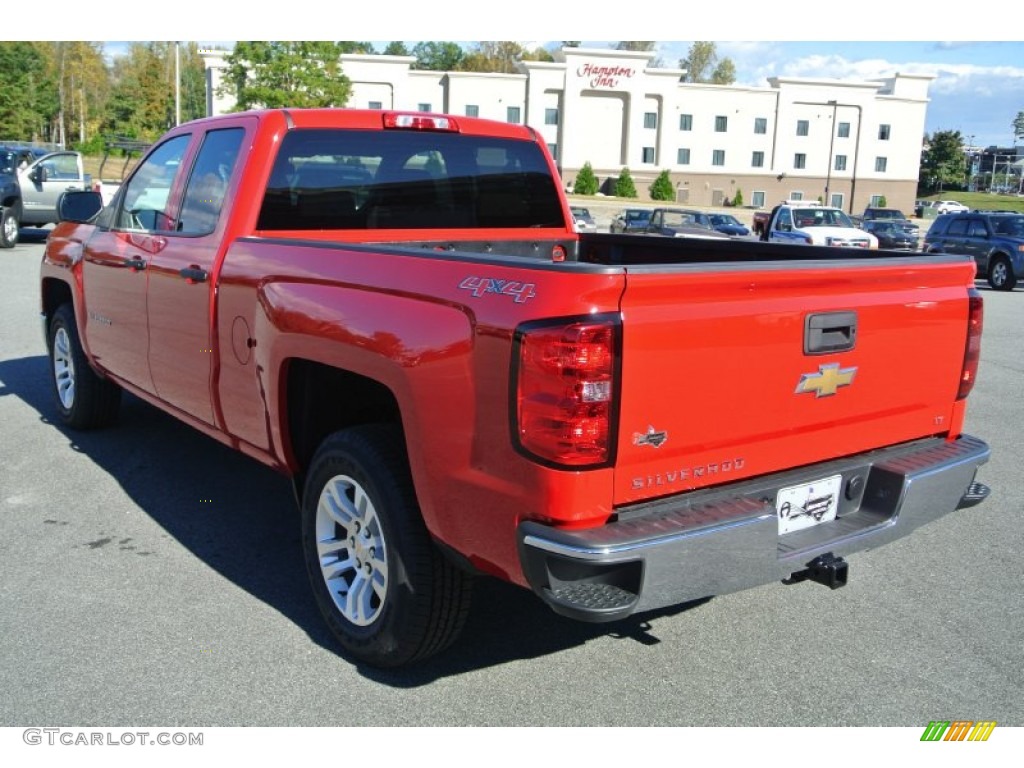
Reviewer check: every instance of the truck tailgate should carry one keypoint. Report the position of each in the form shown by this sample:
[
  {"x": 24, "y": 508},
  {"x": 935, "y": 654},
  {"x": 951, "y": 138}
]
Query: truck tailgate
[{"x": 727, "y": 371}]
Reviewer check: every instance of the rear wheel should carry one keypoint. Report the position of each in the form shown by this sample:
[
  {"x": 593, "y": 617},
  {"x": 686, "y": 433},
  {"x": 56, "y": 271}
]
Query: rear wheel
[
  {"x": 84, "y": 400},
  {"x": 1000, "y": 274},
  {"x": 10, "y": 228},
  {"x": 386, "y": 592}
]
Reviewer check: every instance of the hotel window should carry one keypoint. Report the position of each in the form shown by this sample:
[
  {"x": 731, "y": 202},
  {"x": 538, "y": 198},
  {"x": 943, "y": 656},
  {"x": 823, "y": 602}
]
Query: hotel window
[
  {"x": 553, "y": 149},
  {"x": 551, "y": 116},
  {"x": 423, "y": 107},
  {"x": 686, "y": 122},
  {"x": 472, "y": 110},
  {"x": 650, "y": 119},
  {"x": 718, "y": 157},
  {"x": 683, "y": 156},
  {"x": 883, "y": 132},
  {"x": 802, "y": 127},
  {"x": 376, "y": 105},
  {"x": 721, "y": 124},
  {"x": 757, "y": 160},
  {"x": 512, "y": 115},
  {"x": 840, "y": 162},
  {"x": 880, "y": 164},
  {"x": 757, "y": 200},
  {"x": 844, "y": 131},
  {"x": 760, "y": 125},
  {"x": 648, "y": 155},
  {"x": 799, "y": 160}
]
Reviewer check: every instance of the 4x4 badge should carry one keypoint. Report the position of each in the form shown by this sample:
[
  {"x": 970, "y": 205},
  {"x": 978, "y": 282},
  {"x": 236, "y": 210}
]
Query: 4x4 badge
[
  {"x": 651, "y": 437},
  {"x": 826, "y": 381}
]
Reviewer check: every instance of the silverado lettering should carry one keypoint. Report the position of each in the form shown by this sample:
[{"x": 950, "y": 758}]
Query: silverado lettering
[{"x": 396, "y": 312}]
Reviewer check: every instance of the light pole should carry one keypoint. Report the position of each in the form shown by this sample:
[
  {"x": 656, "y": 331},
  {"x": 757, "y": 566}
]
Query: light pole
[{"x": 856, "y": 145}]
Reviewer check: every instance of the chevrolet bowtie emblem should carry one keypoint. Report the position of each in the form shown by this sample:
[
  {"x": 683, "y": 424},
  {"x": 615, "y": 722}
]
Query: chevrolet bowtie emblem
[
  {"x": 826, "y": 381},
  {"x": 652, "y": 437}
]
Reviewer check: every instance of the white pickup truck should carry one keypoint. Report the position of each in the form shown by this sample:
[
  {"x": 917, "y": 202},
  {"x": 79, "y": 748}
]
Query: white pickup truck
[
  {"x": 29, "y": 193},
  {"x": 811, "y": 224}
]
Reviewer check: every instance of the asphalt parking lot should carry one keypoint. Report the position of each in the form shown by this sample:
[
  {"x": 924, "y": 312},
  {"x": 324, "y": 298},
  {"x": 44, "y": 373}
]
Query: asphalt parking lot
[{"x": 151, "y": 575}]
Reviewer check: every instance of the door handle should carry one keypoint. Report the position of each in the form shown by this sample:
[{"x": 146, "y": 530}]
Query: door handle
[
  {"x": 193, "y": 274},
  {"x": 135, "y": 264},
  {"x": 828, "y": 332}
]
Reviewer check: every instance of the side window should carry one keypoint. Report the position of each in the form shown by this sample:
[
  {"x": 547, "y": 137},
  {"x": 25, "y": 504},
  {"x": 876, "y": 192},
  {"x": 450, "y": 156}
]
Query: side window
[
  {"x": 144, "y": 205},
  {"x": 977, "y": 229},
  {"x": 784, "y": 220},
  {"x": 208, "y": 183},
  {"x": 61, "y": 168},
  {"x": 958, "y": 227}
]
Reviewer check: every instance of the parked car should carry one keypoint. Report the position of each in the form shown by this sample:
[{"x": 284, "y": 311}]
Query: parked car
[
  {"x": 729, "y": 225},
  {"x": 631, "y": 220},
  {"x": 675, "y": 222},
  {"x": 890, "y": 214},
  {"x": 950, "y": 206},
  {"x": 994, "y": 240},
  {"x": 30, "y": 186},
  {"x": 584, "y": 221},
  {"x": 891, "y": 235}
]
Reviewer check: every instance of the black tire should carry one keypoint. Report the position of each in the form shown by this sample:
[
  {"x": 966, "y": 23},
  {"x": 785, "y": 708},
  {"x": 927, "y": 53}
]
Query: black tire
[
  {"x": 1000, "y": 274},
  {"x": 84, "y": 399},
  {"x": 415, "y": 601},
  {"x": 10, "y": 228}
]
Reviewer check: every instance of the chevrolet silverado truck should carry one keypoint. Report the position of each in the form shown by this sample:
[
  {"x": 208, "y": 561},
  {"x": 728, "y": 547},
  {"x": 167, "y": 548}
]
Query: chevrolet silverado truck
[{"x": 395, "y": 311}]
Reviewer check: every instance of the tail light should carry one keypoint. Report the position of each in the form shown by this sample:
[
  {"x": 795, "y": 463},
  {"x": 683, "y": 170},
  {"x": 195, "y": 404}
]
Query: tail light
[
  {"x": 419, "y": 122},
  {"x": 566, "y": 381},
  {"x": 972, "y": 352}
]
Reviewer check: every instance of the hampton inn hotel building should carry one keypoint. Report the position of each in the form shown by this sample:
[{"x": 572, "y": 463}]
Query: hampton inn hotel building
[{"x": 847, "y": 142}]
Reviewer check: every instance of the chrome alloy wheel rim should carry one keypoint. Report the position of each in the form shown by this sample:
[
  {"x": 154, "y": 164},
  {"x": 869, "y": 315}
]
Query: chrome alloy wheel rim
[
  {"x": 64, "y": 368},
  {"x": 1000, "y": 274},
  {"x": 10, "y": 228},
  {"x": 352, "y": 551}
]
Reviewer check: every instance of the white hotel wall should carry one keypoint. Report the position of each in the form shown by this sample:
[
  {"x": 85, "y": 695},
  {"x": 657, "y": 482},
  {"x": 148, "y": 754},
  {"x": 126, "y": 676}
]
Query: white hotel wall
[{"x": 602, "y": 95}]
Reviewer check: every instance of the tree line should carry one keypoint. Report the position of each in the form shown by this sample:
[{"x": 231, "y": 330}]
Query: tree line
[{"x": 71, "y": 93}]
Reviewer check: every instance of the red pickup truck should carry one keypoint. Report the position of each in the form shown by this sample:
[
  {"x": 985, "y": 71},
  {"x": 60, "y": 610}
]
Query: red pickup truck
[{"x": 395, "y": 310}]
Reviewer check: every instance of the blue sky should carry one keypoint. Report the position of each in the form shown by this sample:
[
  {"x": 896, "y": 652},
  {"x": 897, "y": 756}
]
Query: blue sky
[{"x": 978, "y": 90}]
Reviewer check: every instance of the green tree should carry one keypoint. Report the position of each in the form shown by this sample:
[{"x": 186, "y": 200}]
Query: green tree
[
  {"x": 737, "y": 199},
  {"x": 1018, "y": 126},
  {"x": 493, "y": 56},
  {"x": 662, "y": 188},
  {"x": 702, "y": 65},
  {"x": 286, "y": 74},
  {"x": 944, "y": 162},
  {"x": 624, "y": 186},
  {"x": 24, "y": 91},
  {"x": 635, "y": 45},
  {"x": 353, "y": 46},
  {"x": 440, "y": 56},
  {"x": 396, "y": 48},
  {"x": 586, "y": 181},
  {"x": 882, "y": 202}
]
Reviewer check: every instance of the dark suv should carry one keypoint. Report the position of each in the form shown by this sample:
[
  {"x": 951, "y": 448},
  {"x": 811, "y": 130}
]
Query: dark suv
[{"x": 994, "y": 240}]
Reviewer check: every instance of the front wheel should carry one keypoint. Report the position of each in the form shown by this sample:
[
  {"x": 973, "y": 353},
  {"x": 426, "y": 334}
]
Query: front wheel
[
  {"x": 1000, "y": 275},
  {"x": 84, "y": 400},
  {"x": 10, "y": 228},
  {"x": 386, "y": 592}
]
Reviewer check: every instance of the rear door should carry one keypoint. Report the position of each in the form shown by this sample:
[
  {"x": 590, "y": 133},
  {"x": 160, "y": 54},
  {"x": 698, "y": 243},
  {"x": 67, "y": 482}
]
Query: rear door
[{"x": 731, "y": 371}]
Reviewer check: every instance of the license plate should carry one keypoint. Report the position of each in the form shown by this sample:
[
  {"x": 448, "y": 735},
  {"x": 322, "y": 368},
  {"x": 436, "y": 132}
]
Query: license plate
[{"x": 803, "y": 506}]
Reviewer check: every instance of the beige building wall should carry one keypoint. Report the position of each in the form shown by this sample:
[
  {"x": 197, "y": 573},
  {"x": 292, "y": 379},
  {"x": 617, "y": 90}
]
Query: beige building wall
[{"x": 845, "y": 142}]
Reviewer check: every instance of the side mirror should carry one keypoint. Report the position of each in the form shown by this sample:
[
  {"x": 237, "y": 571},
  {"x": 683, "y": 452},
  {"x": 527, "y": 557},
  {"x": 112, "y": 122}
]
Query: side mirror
[
  {"x": 38, "y": 174},
  {"x": 79, "y": 207}
]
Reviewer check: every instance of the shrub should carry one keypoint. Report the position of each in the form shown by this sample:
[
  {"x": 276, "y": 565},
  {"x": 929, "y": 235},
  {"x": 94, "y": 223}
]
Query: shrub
[
  {"x": 624, "y": 186},
  {"x": 882, "y": 202},
  {"x": 586, "y": 181},
  {"x": 662, "y": 188},
  {"x": 737, "y": 199}
]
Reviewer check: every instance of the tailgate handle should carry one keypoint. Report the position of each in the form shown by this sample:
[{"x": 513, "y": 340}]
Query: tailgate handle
[{"x": 830, "y": 332}]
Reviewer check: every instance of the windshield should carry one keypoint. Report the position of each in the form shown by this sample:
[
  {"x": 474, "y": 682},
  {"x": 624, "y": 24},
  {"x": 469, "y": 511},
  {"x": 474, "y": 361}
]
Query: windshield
[
  {"x": 820, "y": 217},
  {"x": 723, "y": 219},
  {"x": 638, "y": 216},
  {"x": 7, "y": 161},
  {"x": 679, "y": 219}
]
